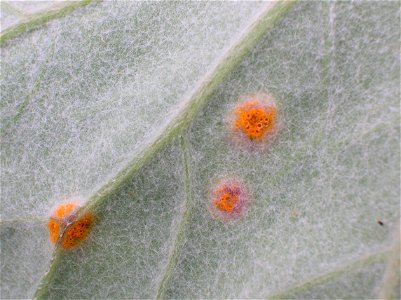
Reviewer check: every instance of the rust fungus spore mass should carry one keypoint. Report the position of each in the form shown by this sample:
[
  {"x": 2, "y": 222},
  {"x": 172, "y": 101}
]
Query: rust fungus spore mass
[
  {"x": 59, "y": 218},
  {"x": 65, "y": 228},
  {"x": 77, "y": 231},
  {"x": 256, "y": 118},
  {"x": 229, "y": 199}
]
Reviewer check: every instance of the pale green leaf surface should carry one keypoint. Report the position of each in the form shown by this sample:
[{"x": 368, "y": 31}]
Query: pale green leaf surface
[
  {"x": 25, "y": 252},
  {"x": 355, "y": 284},
  {"x": 15, "y": 16},
  {"x": 7, "y": 18},
  {"x": 390, "y": 287},
  {"x": 32, "y": 7},
  {"x": 333, "y": 69}
]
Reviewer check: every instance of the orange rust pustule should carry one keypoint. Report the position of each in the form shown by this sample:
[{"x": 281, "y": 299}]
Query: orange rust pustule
[
  {"x": 226, "y": 202},
  {"x": 54, "y": 230},
  {"x": 64, "y": 210},
  {"x": 64, "y": 226},
  {"x": 58, "y": 218},
  {"x": 77, "y": 232},
  {"x": 229, "y": 199},
  {"x": 256, "y": 119}
]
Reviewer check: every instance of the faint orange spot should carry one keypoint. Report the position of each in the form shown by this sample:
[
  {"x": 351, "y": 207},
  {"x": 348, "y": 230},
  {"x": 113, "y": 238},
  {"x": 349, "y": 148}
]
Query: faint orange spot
[
  {"x": 54, "y": 230},
  {"x": 229, "y": 199},
  {"x": 256, "y": 119},
  {"x": 64, "y": 210},
  {"x": 64, "y": 226}
]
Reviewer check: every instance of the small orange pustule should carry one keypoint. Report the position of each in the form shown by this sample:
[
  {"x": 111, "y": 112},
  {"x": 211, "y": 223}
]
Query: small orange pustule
[
  {"x": 256, "y": 119},
  {"x": 54, "y": 230},
  {"x": 229, "y": 199},
  {"x": 226, "y": 202},
  {"x": 66, "y": 229},
  {"x": 58, "y": 218}
]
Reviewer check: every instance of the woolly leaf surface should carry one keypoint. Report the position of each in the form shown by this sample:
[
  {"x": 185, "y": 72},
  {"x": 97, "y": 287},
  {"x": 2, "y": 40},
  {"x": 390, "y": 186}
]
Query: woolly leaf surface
[{"x": 90, "y": 111}]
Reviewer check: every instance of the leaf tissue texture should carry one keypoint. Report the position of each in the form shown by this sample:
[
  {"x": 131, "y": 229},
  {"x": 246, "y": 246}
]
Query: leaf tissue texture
[
  {"x": 82, "y": 95},
  {"x": 333, "y": 69},
  {"x": 88, "y": 95}
]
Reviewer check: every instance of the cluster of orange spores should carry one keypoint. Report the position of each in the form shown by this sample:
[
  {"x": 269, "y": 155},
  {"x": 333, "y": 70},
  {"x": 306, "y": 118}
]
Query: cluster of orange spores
[
  {"x": 68, "y": 229},
  {"x": 229, "y": 198},
  {"x": 255, "y": 119}
]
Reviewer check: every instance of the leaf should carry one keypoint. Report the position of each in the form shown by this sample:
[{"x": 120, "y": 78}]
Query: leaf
[{"x": 124, "y": 105}]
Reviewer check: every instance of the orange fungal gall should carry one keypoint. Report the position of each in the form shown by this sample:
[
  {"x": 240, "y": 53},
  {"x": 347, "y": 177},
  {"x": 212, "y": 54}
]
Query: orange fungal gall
[
  {"x": 256, "y": 118},
  {"x": 229, "y": 199},
  {"x": 67, "y": 228}
]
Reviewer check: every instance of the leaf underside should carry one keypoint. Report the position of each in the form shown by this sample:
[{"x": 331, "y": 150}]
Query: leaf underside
[{"x": 126, "y": 105}]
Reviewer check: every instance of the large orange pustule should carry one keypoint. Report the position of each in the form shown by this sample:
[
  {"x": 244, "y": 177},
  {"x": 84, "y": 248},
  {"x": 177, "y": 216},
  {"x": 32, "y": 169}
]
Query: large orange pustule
[
  {"x": 66, "y": 228},
  {"x": 256, "y": 120},
  {"x": 75, "y": 233}
]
